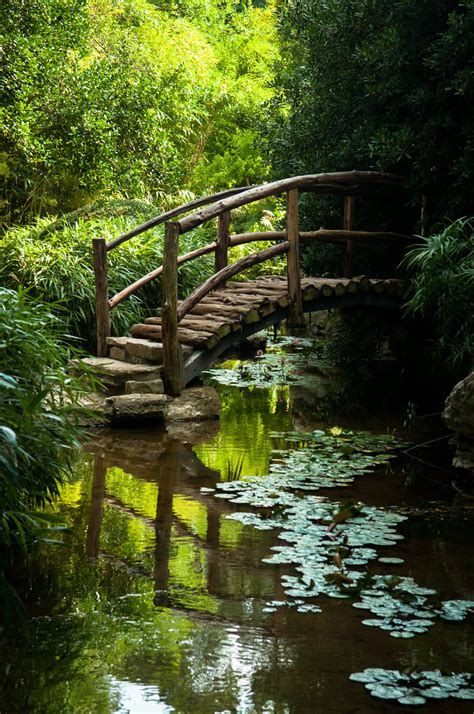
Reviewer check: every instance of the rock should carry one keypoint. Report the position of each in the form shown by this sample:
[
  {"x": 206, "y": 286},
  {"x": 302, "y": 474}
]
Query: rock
[
  {"x": 115, "y": 372},
  {"x": 193, "y": 404},
  {"x": 137, "y": 407},
  {"x": 464, "y": 456},
  {"x": 151, "y": 386},
  {"x": 459, "y": 408},
  {"x": 100, "y": 412},
  {"x": 459, "y": 416},
  {"x": 133, "y": 347},
  {"x": 256, "y": 342},
  {"x": 117, "y": 353}
]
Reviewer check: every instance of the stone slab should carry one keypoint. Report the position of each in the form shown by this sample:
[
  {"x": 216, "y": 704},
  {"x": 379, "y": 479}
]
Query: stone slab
[
  {"x": 136, "y": 407},
  {"x": 151, "y": 386},
  {"x": 116, "y": 372},
  {"x": 145, "y": 349},
  {"x": 194, "y": 404}
]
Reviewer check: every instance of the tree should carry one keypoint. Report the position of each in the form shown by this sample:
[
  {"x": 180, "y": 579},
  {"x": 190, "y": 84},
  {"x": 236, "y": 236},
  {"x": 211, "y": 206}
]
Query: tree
[
  {"x": 377, "y": 84},
  {"x": 128, "y": 98}
]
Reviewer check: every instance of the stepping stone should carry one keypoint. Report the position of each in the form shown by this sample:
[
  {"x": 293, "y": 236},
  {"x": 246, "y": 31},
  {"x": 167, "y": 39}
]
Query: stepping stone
[
  {"x": 133, "y": 347},
  {"x": 114, "y": 372},
  {"x": 137, "y": 407}
]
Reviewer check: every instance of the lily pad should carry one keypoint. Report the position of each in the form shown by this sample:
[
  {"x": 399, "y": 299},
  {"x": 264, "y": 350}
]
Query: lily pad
[{"x": 415, "y": 688}]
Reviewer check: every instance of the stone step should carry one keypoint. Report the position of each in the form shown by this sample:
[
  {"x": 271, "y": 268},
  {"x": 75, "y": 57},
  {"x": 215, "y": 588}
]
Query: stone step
[
  {"x": 135, "y": 351},
  {"x": 138, "y": 351},
  {"x": 117, "y": 375}
]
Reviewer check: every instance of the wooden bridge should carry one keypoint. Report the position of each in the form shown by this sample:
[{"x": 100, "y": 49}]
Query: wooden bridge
[{"x": 220, "y": 312}]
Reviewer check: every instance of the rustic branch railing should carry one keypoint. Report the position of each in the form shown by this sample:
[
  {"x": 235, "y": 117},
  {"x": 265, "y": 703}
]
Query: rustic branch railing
[
  {"x": 349, "y": 184},
  {"x": 101, "y": 248}
]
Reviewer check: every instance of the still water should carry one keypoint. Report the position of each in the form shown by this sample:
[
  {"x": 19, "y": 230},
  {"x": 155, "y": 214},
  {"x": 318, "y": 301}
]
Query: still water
[{"x": 157, "y": 602}]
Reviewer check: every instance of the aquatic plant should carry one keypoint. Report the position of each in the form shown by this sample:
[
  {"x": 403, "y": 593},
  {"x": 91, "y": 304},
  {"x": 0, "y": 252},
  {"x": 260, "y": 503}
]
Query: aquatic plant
[
  {"x": 287, "y": 361},
  {"x": 328, "y": 542},
  {"x": 415, "y": 687}
]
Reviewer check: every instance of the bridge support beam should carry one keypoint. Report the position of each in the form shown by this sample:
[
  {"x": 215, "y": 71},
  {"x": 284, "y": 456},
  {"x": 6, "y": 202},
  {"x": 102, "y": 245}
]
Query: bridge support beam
[
  {"x": 99, "y": 247},
  {"x": 349, "y": 206},
  {"x": 172, "y": 357},
  {"x": 295, "y": 299},
  {"x": 222, "y": 247}
]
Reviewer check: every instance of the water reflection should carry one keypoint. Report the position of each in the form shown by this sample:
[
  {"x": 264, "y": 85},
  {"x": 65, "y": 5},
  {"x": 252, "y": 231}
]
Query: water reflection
[{"x": 156, "y": 604}]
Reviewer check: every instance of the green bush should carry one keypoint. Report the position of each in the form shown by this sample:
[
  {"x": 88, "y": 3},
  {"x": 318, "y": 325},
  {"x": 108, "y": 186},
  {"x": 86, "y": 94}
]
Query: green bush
[
  {"x": 39, "y": 428},
  {"x": 132, "y": 97},
  {"x": 442, "y": 289}
]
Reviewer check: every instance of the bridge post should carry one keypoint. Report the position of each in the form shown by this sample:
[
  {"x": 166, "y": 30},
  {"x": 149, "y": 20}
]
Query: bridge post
[
  {"x": 172, "y": 363},
  {"x": 349, "y": 206},
  {"x": 295, "y": 298},
  {"x": 102, "y": 310},
  {"x": 222, "y": 247}
]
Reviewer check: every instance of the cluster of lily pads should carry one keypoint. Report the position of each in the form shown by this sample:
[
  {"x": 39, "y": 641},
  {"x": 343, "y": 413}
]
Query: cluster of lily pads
[
  {"x": 287, "y": 361},
  {"x": 330, "y": 459},
  {"x": 416, "y": 687},
  {"x": 330, "y": 544}
]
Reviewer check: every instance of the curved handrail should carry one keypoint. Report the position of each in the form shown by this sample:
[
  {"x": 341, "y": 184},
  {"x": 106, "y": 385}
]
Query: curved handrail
[
  {"x": 173, "y": 213},
  {"x": 306, "y": 182},
  {"x": 224, "y": 274}
]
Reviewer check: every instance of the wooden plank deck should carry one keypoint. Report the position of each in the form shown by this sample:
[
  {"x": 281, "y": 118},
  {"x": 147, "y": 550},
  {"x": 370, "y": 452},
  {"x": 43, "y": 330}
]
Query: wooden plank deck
[{"x": 238, "y": 304}]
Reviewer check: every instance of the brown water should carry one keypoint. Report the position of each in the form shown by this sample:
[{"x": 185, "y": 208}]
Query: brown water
[{"x": 155, "y": 604}]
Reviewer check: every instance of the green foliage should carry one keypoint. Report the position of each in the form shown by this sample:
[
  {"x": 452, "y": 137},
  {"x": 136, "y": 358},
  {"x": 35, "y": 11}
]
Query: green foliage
[
  {"x": 135, "y": 97},
  {"x": 38, "y": 428},
  {"x": 53, "y": 259},
  {"x": 356, "y": 336},
  {"x": 442, "y": 289},
  {"x": 378, "y": 85}
]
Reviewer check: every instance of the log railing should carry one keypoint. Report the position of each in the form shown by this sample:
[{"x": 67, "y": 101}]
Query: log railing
[
  {"x": 219, "y": 206},
  {"x": 100, "y": 248}
]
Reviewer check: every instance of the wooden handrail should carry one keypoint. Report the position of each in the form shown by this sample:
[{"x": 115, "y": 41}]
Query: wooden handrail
[
  {"x": 174, "y": 213},
  {"x": 323, "y": 235},
  {"x": 223, "y": 275},
  {"x": 275, "y": 188},
  {"x": 219, "y": 205},
  {"x": 141, "y": 282}
]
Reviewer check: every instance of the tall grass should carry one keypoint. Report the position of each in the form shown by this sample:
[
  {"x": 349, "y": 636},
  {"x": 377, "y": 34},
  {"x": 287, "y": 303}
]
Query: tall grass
[
  {"x": 39, "y": 429},
  {"x": 442, "y": 289},
  {"x": 53, "y": 259}
]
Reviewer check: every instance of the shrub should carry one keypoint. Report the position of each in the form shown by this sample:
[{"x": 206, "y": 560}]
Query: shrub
[
  {"x": 442, "y": 288},
  {"x": 39, "y": 427}
]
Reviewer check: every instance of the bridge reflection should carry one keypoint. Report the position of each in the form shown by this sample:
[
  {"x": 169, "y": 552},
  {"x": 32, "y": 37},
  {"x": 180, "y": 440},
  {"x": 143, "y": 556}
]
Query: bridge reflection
[{"x": 149, "y": 517}]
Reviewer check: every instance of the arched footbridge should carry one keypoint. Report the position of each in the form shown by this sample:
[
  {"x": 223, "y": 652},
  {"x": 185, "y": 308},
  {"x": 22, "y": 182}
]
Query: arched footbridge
[{"x": 224, "y": 310}]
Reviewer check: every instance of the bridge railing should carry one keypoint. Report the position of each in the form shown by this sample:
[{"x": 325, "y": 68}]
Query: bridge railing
[
  {"x": 101, "y": 248},
  {"x": 219, "y": 206}
]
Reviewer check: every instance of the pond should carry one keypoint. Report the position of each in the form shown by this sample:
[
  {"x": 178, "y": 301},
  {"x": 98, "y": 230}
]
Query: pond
[{"x": 173, "y": 592}]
